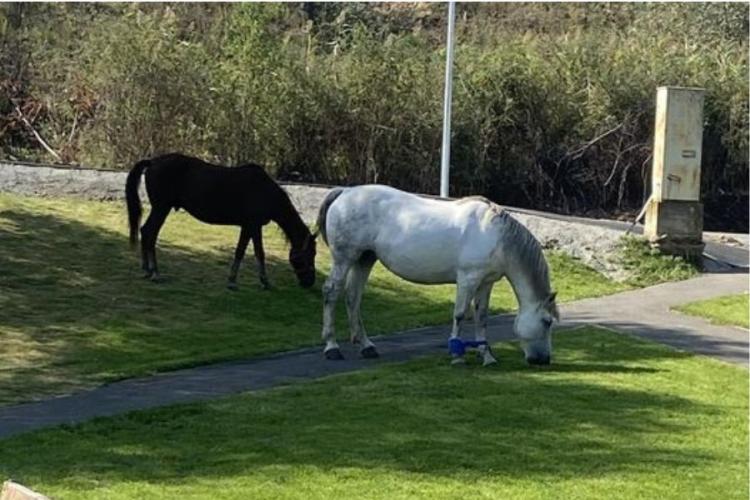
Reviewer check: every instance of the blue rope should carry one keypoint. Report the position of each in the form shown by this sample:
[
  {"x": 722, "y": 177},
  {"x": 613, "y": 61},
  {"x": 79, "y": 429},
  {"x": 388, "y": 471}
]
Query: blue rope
[{"x": 457, "y": 347}]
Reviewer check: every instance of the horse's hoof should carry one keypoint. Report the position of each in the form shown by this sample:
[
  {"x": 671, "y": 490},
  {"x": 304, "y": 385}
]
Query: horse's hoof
[
  {"x": 334, "y": 354},
  {"x": 486, "y": 359},
  {"x": 232, "y": 286},
  {"x": 369, "y": 352},
  {"x": 155, "y": 278}
]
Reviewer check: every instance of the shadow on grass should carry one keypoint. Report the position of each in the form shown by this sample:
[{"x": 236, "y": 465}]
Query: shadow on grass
[
  {"x": 422, "y": 417},
  {"x": 74, "y": 310}
]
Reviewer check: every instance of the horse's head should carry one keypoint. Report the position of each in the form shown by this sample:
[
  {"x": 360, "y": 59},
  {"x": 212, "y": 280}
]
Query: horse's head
[
  {"x": 533, "y": 326},
  {"x": 302, "y": 259}
]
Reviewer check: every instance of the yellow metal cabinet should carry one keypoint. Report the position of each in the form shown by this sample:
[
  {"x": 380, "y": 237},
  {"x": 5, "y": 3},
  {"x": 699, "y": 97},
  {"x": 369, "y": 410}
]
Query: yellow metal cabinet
[{"x": 678, "y": 139}]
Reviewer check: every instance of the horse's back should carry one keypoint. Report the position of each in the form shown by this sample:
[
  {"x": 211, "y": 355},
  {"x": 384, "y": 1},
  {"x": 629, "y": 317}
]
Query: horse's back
[
  {"x": 420, "y": 239},
  {"x": 390, "y": 207},
  {"x": 212, "y": 193},
  {"x": 178, "y": 168}
]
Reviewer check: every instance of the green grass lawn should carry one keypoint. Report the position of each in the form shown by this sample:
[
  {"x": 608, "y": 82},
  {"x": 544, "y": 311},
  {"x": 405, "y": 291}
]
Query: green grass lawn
[
  {"x": 648, "y": 266},
  {"x": 727, "y": 310},
  {"x": 613, "y": 417},
  {"x": 74, "y": 311}
]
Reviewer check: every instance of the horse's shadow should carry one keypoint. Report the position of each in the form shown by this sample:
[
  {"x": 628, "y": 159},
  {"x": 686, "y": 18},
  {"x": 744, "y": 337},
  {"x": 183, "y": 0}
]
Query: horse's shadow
[{"x": 75, "y": 311}]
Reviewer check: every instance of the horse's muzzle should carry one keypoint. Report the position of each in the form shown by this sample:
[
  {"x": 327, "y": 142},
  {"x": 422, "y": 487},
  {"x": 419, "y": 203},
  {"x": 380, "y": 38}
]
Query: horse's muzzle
[{"x": 543, "y": 359}]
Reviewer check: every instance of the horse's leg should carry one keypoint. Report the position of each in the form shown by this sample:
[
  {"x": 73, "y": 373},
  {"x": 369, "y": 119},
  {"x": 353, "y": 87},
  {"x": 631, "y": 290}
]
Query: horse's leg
[
  {"x": 355, "y": 285},
  {"x": 239, "y": 254},
  {"x": 260, "y": 257},
  {"x": 149, "y": 234},
  {"x": 144, "y": 256},
  {"x": 331, "y": 289},
  {"x": 481, "y": 306},
  {"x": 465, "y": 290}
]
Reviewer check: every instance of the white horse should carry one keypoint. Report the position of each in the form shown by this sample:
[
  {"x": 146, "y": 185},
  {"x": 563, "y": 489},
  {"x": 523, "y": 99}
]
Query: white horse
[{"x": 471, "y": 242}]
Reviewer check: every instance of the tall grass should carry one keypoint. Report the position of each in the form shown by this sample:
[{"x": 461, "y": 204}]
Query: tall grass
[{"x": 553, "y": 104}]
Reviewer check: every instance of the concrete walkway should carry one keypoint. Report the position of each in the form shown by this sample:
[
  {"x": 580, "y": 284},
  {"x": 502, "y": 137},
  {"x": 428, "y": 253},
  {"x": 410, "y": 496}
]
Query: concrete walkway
[
  {"x": 644, "y": 312},
  {"x": 647, "y": 313}
]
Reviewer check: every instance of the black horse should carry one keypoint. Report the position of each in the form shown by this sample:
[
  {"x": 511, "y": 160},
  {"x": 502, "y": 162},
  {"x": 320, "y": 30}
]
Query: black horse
[{"x": 242, "y": 196}]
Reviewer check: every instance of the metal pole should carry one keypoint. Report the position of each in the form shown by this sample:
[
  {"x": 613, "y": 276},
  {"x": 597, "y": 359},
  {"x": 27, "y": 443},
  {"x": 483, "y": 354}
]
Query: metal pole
[{"x": 446, "y": 151}]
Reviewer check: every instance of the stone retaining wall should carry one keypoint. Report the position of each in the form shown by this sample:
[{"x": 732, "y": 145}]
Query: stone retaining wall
[{"x": 591, "y": 244}]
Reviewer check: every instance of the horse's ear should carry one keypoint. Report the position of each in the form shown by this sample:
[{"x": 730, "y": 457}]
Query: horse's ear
[{"x": 552, "y": 306}]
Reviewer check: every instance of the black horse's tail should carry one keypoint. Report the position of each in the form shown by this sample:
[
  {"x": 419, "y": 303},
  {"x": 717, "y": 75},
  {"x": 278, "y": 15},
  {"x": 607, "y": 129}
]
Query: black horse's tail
[
  {"x": 134, "y": 201},
  {"x": 323, "y": 212}
]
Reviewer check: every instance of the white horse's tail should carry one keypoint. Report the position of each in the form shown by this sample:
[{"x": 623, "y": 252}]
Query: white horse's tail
[{"x": 323, "y": 212}]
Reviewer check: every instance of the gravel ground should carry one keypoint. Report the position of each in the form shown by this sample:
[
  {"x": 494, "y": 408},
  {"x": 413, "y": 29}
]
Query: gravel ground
[{"x": 592, "y": 245}]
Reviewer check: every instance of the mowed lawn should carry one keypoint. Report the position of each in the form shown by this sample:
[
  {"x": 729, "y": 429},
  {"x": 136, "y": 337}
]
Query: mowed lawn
[
  {"x": 727, "y": 310},
  {"x": 75, "y": 312},
  {"x": 613, "y": 417}
]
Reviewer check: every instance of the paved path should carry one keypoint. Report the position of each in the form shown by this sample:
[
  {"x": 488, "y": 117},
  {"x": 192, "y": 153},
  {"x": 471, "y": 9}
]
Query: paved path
[
  {"x": 646, "y": 313},
  {"x": 642, "y": 312}
]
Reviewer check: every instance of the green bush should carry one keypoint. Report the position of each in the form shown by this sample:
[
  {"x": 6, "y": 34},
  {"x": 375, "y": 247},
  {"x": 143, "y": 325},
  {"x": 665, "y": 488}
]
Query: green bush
[
  {"x": 553, "y": 103},
  {"x": 648, "y": 266}
]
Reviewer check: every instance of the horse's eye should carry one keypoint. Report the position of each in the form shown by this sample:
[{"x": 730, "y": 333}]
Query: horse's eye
[{"x": 547, "y": 322}]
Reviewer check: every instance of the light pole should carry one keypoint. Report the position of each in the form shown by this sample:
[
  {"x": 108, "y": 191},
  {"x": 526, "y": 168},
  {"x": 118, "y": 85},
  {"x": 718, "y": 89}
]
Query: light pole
[{"x": 446, "y": 150}]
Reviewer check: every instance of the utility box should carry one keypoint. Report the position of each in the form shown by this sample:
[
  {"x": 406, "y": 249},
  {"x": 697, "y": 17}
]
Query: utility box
[
  {"x": 674, "y": 216},
  {"x": 678, "y": 140}
]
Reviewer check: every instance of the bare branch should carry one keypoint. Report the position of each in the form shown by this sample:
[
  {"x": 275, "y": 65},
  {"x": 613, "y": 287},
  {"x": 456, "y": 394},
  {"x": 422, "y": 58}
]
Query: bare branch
[
  {"x": 35, "y": 133},
  {"x": 73, "y": 129},
  {"x": 578, "y": 152},
  {"x": 617, "y": 160}
]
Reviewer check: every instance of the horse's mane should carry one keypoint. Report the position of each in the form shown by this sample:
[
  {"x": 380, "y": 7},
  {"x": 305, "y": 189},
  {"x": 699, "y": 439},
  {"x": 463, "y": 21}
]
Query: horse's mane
[
  {"x": 467, "y": 199},
  {"x": 288, "y": 199},
  {"x": 291, "y": 219},
  {"x": 526, "y": 250},
  {"x": 524, "y": 246}
]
